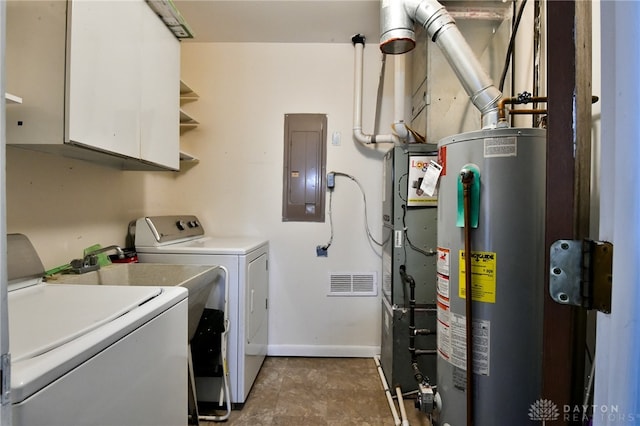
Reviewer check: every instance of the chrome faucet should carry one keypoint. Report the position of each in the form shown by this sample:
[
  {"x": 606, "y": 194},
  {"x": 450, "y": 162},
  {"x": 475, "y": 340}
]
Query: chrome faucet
[{"x": 90, "y": 261}]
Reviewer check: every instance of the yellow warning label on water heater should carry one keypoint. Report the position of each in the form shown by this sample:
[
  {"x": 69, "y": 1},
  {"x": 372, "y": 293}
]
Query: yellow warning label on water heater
[{"x": 483, "y": 276}]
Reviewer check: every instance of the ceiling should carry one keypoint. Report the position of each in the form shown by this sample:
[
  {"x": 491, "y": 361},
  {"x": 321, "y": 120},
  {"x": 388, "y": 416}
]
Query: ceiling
[{"x": 281, "y": 21}]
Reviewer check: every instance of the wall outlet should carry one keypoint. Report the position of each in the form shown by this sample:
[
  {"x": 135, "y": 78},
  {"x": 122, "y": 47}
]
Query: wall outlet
[{"x": 331, "y": 180}]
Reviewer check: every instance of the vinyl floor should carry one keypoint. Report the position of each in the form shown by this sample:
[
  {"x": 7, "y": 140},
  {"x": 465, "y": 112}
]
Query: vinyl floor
[{"x": 318, "y": 392}]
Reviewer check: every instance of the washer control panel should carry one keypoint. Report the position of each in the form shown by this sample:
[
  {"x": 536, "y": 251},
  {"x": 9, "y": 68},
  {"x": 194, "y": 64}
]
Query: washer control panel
[{"x": 159, "y": 230}]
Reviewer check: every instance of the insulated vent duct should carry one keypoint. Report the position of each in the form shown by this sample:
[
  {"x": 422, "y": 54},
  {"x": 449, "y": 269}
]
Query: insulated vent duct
[{"x": 353, "y": 284}]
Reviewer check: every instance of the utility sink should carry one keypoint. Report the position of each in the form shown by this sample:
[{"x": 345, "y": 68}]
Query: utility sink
[{"x": 197, "y": 279}]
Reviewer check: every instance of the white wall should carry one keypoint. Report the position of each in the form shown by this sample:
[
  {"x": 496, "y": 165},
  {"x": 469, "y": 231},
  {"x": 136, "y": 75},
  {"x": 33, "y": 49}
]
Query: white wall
[
  {"x": 65, "y": 205},
  {"x": 245, "y": 91}
]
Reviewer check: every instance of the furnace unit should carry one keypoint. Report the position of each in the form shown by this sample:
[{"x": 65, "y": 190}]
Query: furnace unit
[{"x": 409, "y": 231}]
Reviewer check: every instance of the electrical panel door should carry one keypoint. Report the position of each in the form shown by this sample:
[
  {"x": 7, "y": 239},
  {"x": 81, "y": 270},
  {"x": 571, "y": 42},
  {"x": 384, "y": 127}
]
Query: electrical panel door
[{"x": 304, "y": 167}]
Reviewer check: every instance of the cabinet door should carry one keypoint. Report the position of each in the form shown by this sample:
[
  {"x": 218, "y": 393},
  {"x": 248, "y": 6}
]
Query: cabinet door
[
  {"x": 103, "y": 99},
  {"x": 160, "y": 97}
]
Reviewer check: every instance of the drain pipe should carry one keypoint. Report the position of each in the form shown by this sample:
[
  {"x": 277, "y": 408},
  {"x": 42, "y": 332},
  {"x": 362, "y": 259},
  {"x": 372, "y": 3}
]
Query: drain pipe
[
  {"x": 392, "y": 406},
  {"x": 403, "y": 409},
  {"x": 398, "y": 125},
  {"x": 398, "y": 37}
]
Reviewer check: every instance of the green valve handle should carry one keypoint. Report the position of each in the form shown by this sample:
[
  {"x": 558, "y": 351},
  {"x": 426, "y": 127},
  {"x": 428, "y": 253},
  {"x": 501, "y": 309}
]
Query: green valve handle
[{"x": 475, "y": 195}]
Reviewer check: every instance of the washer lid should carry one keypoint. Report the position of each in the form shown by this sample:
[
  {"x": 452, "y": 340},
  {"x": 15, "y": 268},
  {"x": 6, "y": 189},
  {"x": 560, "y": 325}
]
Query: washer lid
[
  {"x": 55, "y": 328},
  {"x": 209, "y": 245},
  {"x": 44, "y": 317}
]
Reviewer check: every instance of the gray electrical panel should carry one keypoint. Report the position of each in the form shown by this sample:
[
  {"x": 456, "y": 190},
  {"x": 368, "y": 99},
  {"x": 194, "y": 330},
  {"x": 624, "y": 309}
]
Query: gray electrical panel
[
  {"x": 409, "y": 231},
  {"x": 305, "y": 158}
]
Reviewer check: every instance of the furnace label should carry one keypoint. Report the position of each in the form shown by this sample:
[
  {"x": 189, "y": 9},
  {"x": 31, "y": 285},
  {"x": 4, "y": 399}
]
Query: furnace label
[
  {"x": 483, "y": 276},
  {"x": 419, "y": 165}
]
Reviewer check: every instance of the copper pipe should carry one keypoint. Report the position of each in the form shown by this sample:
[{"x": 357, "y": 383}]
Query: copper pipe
[
  {"x": 514, "y": 101},
  {"x": 527, "y": 111},
  {"x": 467, "y": 179},
  {"x": 502, "y": 112}
]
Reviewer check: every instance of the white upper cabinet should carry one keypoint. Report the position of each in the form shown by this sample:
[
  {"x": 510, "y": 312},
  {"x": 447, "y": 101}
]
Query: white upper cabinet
[
  {"x": 105, "y": 42},
  {"x": 160, "y": 135},
  {"x": 99, "y": 82}
]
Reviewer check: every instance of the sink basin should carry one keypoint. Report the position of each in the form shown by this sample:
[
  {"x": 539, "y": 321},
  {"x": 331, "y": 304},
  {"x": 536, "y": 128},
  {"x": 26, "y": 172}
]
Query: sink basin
[{"x": 197, "y": 279}]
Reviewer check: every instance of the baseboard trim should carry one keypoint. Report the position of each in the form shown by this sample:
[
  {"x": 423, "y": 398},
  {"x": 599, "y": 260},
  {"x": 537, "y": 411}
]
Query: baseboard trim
[{"x": 323, "y": 351}]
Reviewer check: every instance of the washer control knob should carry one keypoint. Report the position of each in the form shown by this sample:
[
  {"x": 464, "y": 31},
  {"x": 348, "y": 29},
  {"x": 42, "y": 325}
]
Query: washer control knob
[{"x": 180, "y": 225}]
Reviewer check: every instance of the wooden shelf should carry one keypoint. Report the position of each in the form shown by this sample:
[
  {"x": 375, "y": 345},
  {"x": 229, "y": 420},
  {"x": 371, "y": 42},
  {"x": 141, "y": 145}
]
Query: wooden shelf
[
  {"x": 187, "y": 94},
  {"x": 185, "y": 156},
  {"x": 187, "y": 122},
  {"x": 12, "y": 99},
  {"x": 185, "y": 127},
  {"x": 187, "y": 161},
  {"x": 186, "y": 118}
]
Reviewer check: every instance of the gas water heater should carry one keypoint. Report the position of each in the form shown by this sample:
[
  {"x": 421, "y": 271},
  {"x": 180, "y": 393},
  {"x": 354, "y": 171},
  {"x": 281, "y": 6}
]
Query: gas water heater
[
  {"x": 490, "y": 237},
  {"x": 507, "y": 284}
]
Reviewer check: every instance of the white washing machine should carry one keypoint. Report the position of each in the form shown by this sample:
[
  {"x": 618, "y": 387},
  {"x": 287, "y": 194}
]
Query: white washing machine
[
  {"x": 181, "y": 239},
  {"x": 94, "y": 355}
]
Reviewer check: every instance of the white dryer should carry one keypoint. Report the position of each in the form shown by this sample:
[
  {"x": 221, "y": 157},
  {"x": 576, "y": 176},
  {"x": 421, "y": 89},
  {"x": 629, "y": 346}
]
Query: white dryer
[
  {"x": 94, "y": 355},
  {"x": 181, "y": 239}
]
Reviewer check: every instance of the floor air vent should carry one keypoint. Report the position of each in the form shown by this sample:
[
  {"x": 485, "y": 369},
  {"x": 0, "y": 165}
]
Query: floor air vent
[{"x": 353, "y": 284}]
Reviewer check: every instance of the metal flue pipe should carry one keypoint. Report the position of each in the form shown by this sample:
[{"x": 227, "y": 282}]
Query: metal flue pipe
[{"x": 398, "y": 37}]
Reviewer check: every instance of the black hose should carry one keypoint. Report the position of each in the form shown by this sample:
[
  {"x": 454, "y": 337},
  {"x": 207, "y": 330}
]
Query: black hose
[{"x": 406, "y": 236}]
